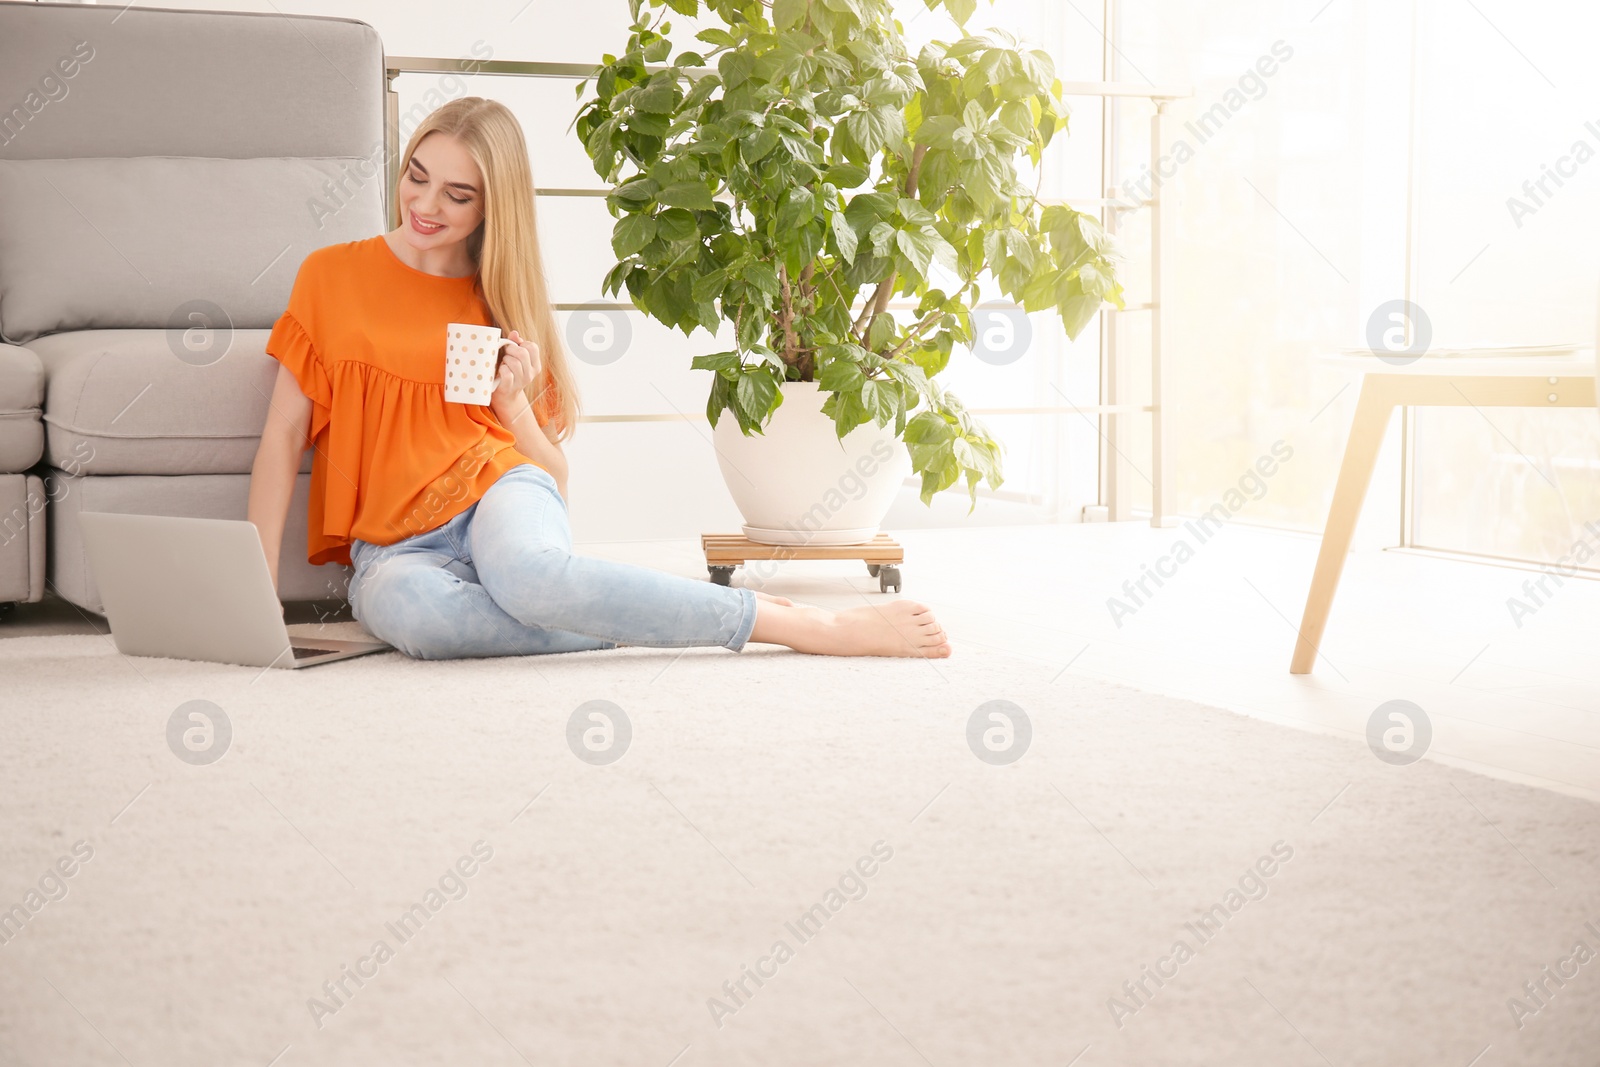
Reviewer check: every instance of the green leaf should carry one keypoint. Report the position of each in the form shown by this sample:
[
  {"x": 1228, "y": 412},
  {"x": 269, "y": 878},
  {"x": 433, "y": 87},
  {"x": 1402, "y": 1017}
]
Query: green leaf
[
  {"x": 703, "y": 88},
  {"x": 599, "y": 139},
  {"x": 693, "y": 195},
  {"x": 927, "y": 429},
  {"x": 845, "y": 236},
  {"x": 718, "y": 361},
  {"x": 973, "y": 116},
  {"x": 966, "y": 144},
  {"x": 967, "y": 46},
  {"x": 659, "y": 97},
  {"x": 845, "y": 176},
  {"x": 908, "y": 373},
  {"x": 1017, "y": 117},
  {"x": 840, "y": 376},
  {"x": 994, "y": 249},
  {"x": 735, "y": 68},
  {"x": 881, "y": 400},
  {"x": 769, "y": 357},
  {"x": 685, "y": 7},
  {"x": 882, "y": 235},
  {"x": 960, "y": 10},
  {"x": 1070, "y": 236},
  {"x": 868, "y": 208},
  {"x": 938, "y": 131},
  {"x": 915, "y": 213},
  {"x": 938, "y": 176},
  {"x": 1020, "y": 247},
  {"x": 758, "y": 144},
  {"x": 1041, "y": 290},
  {"x": 846, "y": 410},
  {"x": 882, "y": 331},
  {"x": 636, "y": 191},
  {"x": 717, "y": 36},
  {"x": 615, "y": 278},
  {"x": 675, "y": 224},
  {"x": 649, "y": 123},
  {"x": 709, "y": 286},
  {"x": 983, "y": 74},
  {"x": 717, "y": 402},
  {"x": 931, "y": 361},
  {"x": 796, "y": 209},
  {"x": 916, "y": 247},
  {"x": 787, "y": 14},
  {"x": 886, "y": 89},
  {"x": 847, "y": 350},
  {"x": 632, "y": 233},
  {"x": 754, "y": 394},
  {"x": 763, "y": 276},
  {"x": 659, "y": 300},
  {"x": 1077, "y": 308},
  {"x": 986, "y": 457},
  {"x": 1093, "y": 281},
  {"x": 876, "y": 128}
]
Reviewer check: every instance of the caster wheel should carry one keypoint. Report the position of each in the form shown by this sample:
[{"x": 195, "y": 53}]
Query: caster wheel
[
  {"x": 721, "y": 575},
  {"x": 888, "y": 579},
  {"x": 872, "y": 569}
]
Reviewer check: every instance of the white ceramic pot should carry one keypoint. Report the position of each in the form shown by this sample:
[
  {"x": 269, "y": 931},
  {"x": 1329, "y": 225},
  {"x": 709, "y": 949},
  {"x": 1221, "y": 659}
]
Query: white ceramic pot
[{"x": 799, "y": 484}]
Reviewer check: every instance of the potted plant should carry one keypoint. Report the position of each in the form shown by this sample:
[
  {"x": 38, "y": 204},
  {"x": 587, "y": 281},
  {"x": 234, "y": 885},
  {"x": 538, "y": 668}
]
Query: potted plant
[{"x": 799, "y": 171}]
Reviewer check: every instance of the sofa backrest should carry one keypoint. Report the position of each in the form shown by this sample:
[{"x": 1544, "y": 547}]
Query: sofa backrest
[{"x": 163, "y": 168}]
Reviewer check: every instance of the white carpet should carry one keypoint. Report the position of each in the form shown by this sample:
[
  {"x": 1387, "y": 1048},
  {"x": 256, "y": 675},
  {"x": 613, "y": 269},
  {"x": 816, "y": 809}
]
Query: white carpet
[{"x": 1016, "y": 902}]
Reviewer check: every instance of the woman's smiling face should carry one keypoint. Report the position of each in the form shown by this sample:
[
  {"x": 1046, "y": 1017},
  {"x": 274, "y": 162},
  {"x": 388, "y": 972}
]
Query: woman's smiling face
[{"x": 441, "y": 195}]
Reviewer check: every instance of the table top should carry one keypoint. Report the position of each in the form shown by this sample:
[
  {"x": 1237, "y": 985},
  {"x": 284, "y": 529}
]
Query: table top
[{"x": 1574, "y": 363}]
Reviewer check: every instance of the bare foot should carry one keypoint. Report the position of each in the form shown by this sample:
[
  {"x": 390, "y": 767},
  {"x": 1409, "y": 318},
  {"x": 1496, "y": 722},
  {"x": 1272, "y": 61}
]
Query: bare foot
[
  {"x": 898, "y": 628},
  {"x": 895, "y": 628},
  {"x": 772, "y": 599}
]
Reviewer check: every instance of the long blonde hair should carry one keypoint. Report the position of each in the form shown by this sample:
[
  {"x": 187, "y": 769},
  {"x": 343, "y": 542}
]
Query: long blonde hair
[{"x": 505, "y": 247}]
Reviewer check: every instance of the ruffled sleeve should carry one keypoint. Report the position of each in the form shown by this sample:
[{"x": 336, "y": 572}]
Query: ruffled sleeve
[{"x": 291, "y": 345}]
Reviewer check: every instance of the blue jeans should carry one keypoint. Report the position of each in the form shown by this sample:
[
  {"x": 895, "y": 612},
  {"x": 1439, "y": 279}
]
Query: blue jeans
[{"x": 500, "y": 579}]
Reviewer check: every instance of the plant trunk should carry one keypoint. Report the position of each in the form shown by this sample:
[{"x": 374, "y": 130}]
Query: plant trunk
[{"x": 880, "y": 298}]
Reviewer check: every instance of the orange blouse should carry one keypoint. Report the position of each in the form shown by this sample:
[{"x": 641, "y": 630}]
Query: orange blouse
[{"x": 364, "y": 335}]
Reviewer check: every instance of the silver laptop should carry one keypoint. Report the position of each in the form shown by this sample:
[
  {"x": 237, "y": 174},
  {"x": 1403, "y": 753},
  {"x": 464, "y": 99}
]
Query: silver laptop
[{"x": 200, "y": 589}]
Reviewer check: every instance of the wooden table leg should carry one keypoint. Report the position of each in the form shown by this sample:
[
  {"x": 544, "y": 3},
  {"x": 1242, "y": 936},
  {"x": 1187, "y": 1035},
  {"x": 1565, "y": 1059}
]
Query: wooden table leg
[
  {"x": 1355, "y": 475},
  {"x": 1381, "y": 393}
]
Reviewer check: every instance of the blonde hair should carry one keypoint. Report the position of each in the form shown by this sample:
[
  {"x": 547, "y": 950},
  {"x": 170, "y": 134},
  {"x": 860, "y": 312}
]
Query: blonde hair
[{"x": 505, "y": 246}]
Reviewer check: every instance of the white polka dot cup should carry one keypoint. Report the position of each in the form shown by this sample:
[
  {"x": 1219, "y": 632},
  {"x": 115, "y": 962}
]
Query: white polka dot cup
[{"x": 471, "y": 361}]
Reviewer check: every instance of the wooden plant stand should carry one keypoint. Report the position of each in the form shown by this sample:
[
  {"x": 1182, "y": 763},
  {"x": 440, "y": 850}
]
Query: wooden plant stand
[{"x": 725, "y": 552}]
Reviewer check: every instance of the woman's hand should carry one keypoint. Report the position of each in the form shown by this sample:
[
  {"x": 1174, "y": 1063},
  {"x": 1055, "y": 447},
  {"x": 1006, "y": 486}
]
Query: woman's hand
[{"x": 520, "y": 367}]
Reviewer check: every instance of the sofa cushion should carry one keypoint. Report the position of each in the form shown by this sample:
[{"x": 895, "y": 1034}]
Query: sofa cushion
[
  {"x": 206, "y": 496},
  {"x": 130, "y": 80},
  {"x": 127, "y": 401},
  {"x": 170, "y": 242},
  {"x": 21, "y": 397}
]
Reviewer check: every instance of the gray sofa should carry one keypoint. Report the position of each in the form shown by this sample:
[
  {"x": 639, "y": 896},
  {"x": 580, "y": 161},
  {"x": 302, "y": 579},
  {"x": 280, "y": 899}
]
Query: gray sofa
[{"x": 162, "y": 175}]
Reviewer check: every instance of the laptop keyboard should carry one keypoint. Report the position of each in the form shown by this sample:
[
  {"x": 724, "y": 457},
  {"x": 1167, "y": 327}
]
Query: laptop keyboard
[{"x": 302, "y": 653}]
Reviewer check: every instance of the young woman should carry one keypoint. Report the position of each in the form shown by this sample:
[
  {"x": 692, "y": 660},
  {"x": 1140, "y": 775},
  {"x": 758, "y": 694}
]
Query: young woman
[{"x": 453, "y": 515}]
